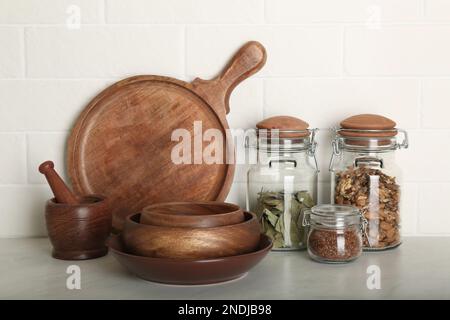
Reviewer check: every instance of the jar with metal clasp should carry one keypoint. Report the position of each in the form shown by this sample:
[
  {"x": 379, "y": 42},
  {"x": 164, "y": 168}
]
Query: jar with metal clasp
[
  {"x": 282, "y": 183},
  {"x": 335, "y": 234},
  {"x": 364, "y": 174}
]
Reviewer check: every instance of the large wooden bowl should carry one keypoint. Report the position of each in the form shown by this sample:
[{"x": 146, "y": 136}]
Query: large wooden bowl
[
  {"x": 189, "y": 272},
  {"x": 204, "y": 214},
  {"x": 191, "y": 243}
]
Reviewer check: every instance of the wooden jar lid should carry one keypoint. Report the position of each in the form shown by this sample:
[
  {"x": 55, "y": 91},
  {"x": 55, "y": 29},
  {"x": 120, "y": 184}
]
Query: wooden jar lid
[
  {"x": 285, "y": 123},
  {"x": 368, "y": 122}
]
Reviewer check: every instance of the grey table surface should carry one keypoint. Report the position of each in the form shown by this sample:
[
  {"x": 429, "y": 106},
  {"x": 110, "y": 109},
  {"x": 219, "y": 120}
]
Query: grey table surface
[{"x": 418, "y": 269}]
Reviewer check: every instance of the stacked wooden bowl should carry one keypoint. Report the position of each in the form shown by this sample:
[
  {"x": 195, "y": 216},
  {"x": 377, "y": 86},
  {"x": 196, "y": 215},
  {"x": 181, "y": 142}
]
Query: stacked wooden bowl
[
  {"x": 186, "y": 235},
  {"x": 198, "y": 230}
]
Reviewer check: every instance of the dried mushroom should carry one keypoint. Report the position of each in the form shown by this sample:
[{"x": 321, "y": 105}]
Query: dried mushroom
[{"x": 377, "y": 195}]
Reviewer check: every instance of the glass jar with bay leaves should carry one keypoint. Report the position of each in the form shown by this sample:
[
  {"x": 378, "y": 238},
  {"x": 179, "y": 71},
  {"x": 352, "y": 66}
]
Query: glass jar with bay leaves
[
  {"x": 364, "y": 174},
  {"x": 282, "y": 181}
]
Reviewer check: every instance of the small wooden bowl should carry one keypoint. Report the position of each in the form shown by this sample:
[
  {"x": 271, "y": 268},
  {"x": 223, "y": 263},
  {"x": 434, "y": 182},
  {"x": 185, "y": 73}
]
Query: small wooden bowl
[
  {"x": 191, "y": 243},
  {"x": 206, "y": 214},
  {"x": 79, "y": 231}
]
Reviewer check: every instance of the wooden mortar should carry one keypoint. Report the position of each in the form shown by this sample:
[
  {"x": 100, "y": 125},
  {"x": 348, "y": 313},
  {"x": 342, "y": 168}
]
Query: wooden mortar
[{"x": 78, "y": 227}]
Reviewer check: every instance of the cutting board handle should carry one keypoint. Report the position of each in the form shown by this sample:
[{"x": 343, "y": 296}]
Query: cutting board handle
[{"x": 250, "y": 58}]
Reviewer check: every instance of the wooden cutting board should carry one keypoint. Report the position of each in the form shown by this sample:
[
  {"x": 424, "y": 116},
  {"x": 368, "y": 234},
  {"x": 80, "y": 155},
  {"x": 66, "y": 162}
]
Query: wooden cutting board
[{"x": 121, "y": 144}]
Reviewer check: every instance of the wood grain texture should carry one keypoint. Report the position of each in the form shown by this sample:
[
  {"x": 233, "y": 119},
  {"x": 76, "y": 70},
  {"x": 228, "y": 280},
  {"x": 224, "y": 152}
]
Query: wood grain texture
[
  {"x": 248, "y": 60},
  {"x": 192, "y": 214},
  {"x": 78, "y": 232},
  {"x": 285, "y": 123},
  {"x": 189, "y": 272},
  {"x": 368, "y": 122},
  {"x": 121, "y": 144},
  {"x": 60, "y": 190},
  {"x": 191, "y": 243}
]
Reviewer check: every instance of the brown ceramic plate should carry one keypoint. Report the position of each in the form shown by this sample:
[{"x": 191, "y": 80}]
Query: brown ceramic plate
[{"x": 188, "y": 272}]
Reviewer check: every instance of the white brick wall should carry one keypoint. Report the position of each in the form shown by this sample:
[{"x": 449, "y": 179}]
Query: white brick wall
[
  {"x": 48, "y": 11},
  {"x": 398, "y": 51},
  {"x": 304, "y": 11},
  {"x": 186, "y": 11},
  {"x": 327, "y": 59},
  {"x": 103, "y": 51},
  {"x": 14, "y": 158},
  {"x": 293, "y": 50},
  {"x": 12, "y": 61}
]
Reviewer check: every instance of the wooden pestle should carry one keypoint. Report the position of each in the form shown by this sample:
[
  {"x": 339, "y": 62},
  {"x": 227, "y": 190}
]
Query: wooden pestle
[{"x": 62, "y": 193}]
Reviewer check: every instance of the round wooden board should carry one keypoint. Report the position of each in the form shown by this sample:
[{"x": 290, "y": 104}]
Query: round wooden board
[{"x": 121, "y": 145}]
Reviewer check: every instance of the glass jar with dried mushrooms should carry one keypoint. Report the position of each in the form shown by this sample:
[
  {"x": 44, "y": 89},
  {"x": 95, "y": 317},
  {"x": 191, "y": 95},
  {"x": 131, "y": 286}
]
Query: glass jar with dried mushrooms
[
  {"x": 364, "y": 174},
  {"x": 282, "y": 181}
]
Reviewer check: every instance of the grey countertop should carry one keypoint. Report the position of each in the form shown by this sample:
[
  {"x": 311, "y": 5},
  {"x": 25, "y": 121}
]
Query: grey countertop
[{"x": 419, "y": 268}]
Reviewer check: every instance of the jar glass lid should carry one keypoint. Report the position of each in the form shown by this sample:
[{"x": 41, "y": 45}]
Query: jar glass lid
[{"x": 335, "y": 216}]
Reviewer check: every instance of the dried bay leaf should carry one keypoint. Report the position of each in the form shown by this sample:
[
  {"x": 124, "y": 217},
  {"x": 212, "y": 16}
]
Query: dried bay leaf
[
  {"x": 271, "y": 218},
  {"x": 270, "y": 209},
  {"x": 280, "y": 207},
  {"x": 278, "y": 240},
  {"x": 279, "y": 226},
  {"x": 270, "y": 232},
  {"x": 296, "y": 208},
  {"x": 272, "y": 202},
  {"x": 305, "y": 198}
]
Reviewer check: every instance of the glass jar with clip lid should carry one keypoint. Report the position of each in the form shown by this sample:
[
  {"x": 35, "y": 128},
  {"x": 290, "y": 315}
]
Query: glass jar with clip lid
[
  {"x": 364, "y": 174},
  {"x": 282, "y": 183},
  {"x": 335, "y": 234}
]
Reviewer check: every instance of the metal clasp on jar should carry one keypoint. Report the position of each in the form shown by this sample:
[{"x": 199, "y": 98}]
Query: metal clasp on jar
[
  {"x": 313, "y": 147},
  {"x": 338, "y": 141},
  {"x": 306, "y": 217},
  {"x": 308, "y": 144}
]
